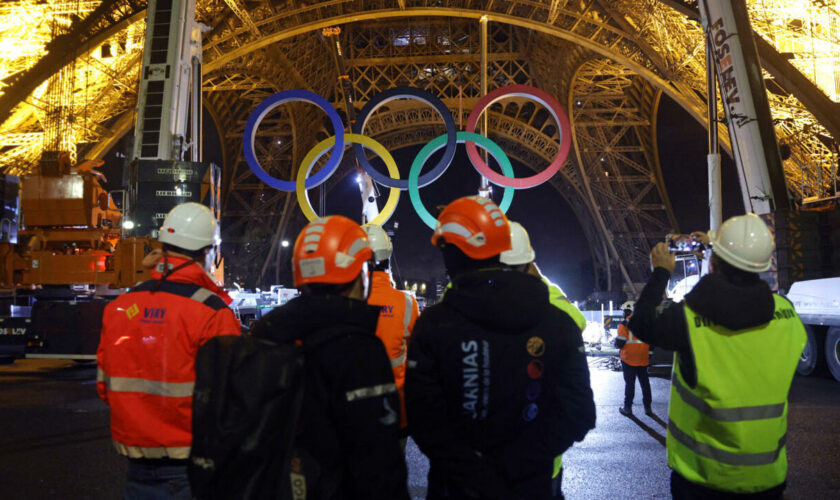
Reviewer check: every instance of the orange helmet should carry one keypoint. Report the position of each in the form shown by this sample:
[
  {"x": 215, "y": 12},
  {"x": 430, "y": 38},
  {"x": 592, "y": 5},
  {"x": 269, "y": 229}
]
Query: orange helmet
[
  {"x": 330, "y": 250},
  {"x": 475, "y": 225}
]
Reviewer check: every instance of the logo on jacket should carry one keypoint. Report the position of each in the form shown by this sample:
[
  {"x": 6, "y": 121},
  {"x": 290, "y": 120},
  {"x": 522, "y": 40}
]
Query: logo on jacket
[
  {"x": 132, "y": 311},
  {"x": 153, "y": 315},
  {"x": 475, "y": 378},
  {"x": 535, "y": 347},
  {"x": 535, "y": 369},
  {"x": 530, "y": 412}
]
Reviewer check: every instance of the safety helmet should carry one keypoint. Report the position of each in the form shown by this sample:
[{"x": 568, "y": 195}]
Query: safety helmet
[
  {"x": 475, "y": 225},
  {"x": 332, "y": 249},
  {"x": 628, "y": 305},
  {"x": 379, "y": 242},
  {"x": 520, "y": 251},
  {"x": 744, "y": 242},
  {"x": 191, "y": 226}
]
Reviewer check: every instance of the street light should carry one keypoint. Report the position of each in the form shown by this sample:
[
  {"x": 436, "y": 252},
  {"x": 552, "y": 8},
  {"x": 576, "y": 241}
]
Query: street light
[{"x": 284, "y": 243}]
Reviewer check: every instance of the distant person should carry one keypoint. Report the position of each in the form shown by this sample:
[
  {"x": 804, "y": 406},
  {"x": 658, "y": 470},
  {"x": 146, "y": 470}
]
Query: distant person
[
  {"x": 348, "y": 434},
  {"x": 497, "y": 383},
  {"x": 521, "y": 257},
  {"x": 635, "y": 358},
  {"x": 147, "y": 350},
  {"x": 397, "y": 311},
  {"x": 737, "y": 347}
]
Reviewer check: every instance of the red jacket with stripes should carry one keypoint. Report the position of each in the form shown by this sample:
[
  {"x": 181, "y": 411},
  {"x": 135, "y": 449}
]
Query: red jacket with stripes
[
  {"x": 146, "y": 358},
  {"x": 397, "y": 313}
]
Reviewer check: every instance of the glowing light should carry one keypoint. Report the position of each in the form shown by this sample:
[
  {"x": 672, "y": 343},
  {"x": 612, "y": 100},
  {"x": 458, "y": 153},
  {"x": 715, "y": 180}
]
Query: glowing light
[
  {"x": 284, "y": 243},
  {"x": 128, "y": 224}
]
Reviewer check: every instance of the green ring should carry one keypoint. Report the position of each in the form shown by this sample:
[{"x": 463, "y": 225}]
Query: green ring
[{"x": 437, "y": 143}]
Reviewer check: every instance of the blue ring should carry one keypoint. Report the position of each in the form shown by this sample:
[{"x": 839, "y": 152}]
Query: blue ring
[
  {"x": 263, "y": 109},
  {"x": 420, "y": 95}
]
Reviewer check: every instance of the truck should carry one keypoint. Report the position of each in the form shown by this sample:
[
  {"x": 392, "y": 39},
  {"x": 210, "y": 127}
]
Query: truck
[{"x": 818, "y": 304}]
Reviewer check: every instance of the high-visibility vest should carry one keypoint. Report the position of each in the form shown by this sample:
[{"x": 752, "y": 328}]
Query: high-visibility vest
[
  {"x": 634, "y": 352},
  {"x": 559, "y": 300},
  {"x": 728, "y": 433},
  {"x": 398, "y": 312}
]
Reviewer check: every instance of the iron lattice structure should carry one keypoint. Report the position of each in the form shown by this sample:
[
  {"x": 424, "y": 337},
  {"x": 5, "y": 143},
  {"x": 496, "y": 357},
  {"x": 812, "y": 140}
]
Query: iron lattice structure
[{"x": 607, "y": 61}]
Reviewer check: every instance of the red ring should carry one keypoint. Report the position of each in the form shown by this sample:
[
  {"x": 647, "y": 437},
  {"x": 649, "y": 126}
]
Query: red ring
[{"x": 551, "y": 105}]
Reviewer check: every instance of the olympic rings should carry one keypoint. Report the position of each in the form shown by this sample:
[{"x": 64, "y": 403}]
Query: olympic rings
[
  {"x": 272, "y": 102},
  {"x": 318, "y": 151},
  {"x": 412, "y": 93},
  {"x": 556, "y": 111},
  {"x": 415, "y": 181},
  {"x": 437, "y": 143}
]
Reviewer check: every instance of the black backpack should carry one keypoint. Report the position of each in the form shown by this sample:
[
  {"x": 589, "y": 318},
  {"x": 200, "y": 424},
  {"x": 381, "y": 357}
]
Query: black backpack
[{"x": 248, "y": 396}]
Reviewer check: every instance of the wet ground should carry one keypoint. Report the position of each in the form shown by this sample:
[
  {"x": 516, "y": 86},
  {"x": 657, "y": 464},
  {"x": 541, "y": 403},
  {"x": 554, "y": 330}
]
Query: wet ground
[{"x": 54, "y": 439}]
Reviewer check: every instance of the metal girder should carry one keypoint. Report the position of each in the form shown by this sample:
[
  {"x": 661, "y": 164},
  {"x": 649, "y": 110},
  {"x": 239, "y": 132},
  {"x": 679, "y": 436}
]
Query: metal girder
[{"x": 621, "y": 170}]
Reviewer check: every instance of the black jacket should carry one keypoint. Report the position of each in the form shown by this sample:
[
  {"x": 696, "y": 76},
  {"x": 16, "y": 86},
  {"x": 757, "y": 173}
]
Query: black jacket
[
  {"x": 736, "y": 307},
  {"x": 497, "y": 386},
  {"x": 349, "y": 424}
]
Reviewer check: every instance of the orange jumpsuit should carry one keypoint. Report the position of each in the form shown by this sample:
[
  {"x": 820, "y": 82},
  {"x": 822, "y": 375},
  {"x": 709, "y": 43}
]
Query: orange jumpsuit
[{"x": 397, "y": 314}]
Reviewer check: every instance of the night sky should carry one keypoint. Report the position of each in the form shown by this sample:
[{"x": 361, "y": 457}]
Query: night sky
[{"x": 562, "y": 251}]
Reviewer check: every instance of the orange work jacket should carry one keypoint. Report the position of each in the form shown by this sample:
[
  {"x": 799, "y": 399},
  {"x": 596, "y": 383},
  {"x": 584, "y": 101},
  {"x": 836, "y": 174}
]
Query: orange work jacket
[
  {"x": 635, "y": 352},
  {"x": 397, "y": 314},
  {"x": 146, "y": 358}
]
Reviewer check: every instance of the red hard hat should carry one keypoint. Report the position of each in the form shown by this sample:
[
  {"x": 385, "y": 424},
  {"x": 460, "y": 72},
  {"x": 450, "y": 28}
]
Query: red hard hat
[
  {"x": 476, "y": 226},
  {"x": 330, "y": 250}
]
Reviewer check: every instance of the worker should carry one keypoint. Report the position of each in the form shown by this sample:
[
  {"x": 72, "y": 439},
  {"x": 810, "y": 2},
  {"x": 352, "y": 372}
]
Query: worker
[
  {"x": 737, "y": 345},
  {"x": 397, "y": 312},
  {"x": 347, "y": 443},
  {"x": 635, "y": 358},
  {"x": 521, "y": 257},
  {"x": 147, "y": 350},
  {"x": 497, "y": 384}
]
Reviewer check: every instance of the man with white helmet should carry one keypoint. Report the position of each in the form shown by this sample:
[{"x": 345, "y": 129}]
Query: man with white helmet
[
  {"x": 397, "y": 310},
  {"x": 737, "y": 346},
  {"x": 146, "y": 354},
  {"x": 521, "y": 257}
]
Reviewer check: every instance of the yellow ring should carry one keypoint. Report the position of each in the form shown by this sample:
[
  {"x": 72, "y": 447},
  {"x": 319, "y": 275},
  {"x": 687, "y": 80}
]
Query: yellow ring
[{"x": 315, "y": 153}]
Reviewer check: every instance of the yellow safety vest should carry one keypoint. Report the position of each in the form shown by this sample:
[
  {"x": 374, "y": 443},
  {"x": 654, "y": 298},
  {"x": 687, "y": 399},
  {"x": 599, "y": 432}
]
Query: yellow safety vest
[
  {"x": 558, "y": 299},
  {"x": 728, "y": 433}
]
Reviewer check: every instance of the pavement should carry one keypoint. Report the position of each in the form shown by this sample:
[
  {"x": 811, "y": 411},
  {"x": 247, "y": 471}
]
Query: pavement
[{"x": 55, "y": 442}]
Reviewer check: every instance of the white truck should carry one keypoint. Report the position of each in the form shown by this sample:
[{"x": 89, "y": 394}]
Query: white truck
[{"x": 818, "y": 304}]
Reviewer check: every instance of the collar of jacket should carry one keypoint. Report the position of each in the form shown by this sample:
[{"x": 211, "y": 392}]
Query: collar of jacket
[
  {"x": 500, "y": 300},
  {"x": 381, "y": 279},
  {"x": 736, "y": 307},
  {"x": 308, "y": 314},
  {"x": 192, "y": 273}
]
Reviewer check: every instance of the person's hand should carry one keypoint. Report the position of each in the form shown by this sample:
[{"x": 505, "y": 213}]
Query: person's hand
[
  {"x": 660, "y": 256},
  {"x": 702, "y": 238}
]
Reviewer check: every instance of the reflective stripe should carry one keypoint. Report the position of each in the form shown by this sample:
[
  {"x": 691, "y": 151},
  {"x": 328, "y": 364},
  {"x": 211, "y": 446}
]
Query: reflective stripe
[
  {"x": 454, "y": 228},
  {"x": 399, "y": 360},
  {"x": 201, "y": 295},
  {"x": 100, "y": 375},
  {"x": 634, "y": 342},
  {"x": 371, "y": 392},
  {"x": 409, "y": 307},
  {"x": 145, "y": 386},
  {"x": 723, "y": 456},
  {"x": 357, "y": 246},
  {"x": 177, "y": 452},
  {"x": 738, "y": 414}
]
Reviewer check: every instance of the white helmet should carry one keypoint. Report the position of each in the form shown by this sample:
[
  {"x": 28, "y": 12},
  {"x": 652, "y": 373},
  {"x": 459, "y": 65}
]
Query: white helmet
[
  {"x": 379, "y": 242},
  {"x": 630, "y": 304},
  {"x": 520, "y": 247},
  {"x": 744, "y": 242},
  {"x": 190, "y": 226}
]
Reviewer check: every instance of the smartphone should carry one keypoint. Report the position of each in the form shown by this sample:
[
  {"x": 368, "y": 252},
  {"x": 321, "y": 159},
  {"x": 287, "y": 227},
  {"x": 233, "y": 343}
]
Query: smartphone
[{"x": 683, "y": 243}]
